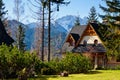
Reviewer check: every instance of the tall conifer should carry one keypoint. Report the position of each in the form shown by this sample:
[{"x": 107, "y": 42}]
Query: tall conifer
[
  {"x": 92, "y": 15},
  {"x": 111, "y": 29}
]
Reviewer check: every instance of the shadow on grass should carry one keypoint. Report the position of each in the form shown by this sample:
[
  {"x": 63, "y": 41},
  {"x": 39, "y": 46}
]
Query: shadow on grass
[
  {"x": 44, "y": 77},
  {"x": 94, "y": 72}
]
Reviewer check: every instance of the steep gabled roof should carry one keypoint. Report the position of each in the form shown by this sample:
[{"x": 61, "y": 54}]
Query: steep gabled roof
[
  {"x": 89, "y": 48},
  {"x": 4, "y": 37},
  {"x": 78, "y": 29},
  {"x": 95, "y": 27},
  {"x": 75, "y": 36},
  {"x": 78, "y": 32}
]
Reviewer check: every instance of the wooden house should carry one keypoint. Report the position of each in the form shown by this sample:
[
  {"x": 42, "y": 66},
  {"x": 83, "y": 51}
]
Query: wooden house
[{"x": 85, "y": 40}]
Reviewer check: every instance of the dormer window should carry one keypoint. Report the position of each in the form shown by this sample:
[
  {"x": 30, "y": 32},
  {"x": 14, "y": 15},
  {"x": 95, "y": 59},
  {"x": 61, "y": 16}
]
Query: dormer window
[
  {"x": 95, "y": 42},
  {"x": 84, "y": 42}
]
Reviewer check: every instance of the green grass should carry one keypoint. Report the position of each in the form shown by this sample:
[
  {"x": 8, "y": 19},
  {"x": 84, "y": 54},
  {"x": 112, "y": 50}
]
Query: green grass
[{"x": 93, "y": 75}]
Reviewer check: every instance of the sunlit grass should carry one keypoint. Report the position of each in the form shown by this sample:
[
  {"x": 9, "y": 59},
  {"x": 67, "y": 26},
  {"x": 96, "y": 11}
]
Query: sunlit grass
[{"x": 94, "y": 75}]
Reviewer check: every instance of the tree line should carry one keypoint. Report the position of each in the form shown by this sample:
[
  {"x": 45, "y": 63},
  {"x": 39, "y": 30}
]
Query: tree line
[{"x": 109, "y": 29}]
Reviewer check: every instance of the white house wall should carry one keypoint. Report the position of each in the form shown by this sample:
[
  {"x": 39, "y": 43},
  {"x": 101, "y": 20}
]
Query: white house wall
[{"x": 90, "y": 39}]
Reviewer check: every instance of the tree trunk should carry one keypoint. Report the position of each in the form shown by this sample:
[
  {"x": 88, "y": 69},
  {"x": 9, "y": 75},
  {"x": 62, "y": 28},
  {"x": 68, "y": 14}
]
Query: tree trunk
[
  {"x": 49, "y": 15},
  {"x": 42, "y": 53},
  {"x": 96, "y": 59}
]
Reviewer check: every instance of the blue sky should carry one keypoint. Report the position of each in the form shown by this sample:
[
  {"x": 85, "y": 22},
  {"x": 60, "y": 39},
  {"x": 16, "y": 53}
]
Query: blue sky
[{"x": 76, "y": 7}]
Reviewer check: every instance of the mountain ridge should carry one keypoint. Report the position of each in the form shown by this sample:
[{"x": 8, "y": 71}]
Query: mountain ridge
[{"x": 60, "y": 27}]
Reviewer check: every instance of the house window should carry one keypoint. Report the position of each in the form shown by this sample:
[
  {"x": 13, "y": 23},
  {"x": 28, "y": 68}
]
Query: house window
[
  {"x": 95, "y": 42},
  {"x": 84, "y": 42}
]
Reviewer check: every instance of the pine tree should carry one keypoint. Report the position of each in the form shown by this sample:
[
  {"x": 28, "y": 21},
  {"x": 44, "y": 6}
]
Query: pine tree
[
  {"x": 92, "y": 15},
  {"x": 77, "y": 22},
  {"x": 20, "y": 38},
  {"x": 112, "y": 12},
  {"x": 110, "y": 32},
  {"x": 2, "y": 10}
]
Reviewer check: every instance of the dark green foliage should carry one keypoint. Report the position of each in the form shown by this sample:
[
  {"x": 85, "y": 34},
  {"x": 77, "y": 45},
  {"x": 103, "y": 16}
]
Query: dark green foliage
[
  {"x": 112, "y": 12},
  {"x": 59, "y": 2},
  {"x": 2, "y": 10},
  {"x": 77, "y": 22},
  {"x": 20, "y": 38},
  {"x": 71, "y": 63},
  {"x": 111, "y": 39},
  {"x": 38, "y": 66},
  {"x": 110, "y": 30},
  {"x": 13, "y": 63},
  {"x": 117, "y": 67},
  {"x": 52, "y": 67},
  {"x": 92, "y": 15},
  {"x": 76, "y": 63}
]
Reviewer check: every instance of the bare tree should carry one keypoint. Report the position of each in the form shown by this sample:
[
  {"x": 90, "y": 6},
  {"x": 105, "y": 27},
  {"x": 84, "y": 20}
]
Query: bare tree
[
  {"x": 41, "y": 4},
  {"x": 46, "y": 5},
  {"x": 20, "y": 34},
  {"x": 38, "y": 40},
  {"x": 18, "y": 9}
]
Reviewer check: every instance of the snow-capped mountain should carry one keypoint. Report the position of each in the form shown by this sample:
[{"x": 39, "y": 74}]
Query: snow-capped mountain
[
  {"x": 32, "y": 25},
  {"x": 68, "y": 21},
  {"x": 60, "y": 27}
]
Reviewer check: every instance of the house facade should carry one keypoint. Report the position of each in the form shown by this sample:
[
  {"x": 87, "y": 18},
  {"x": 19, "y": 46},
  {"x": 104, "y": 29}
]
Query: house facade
[{"x": 85, "y": 40}]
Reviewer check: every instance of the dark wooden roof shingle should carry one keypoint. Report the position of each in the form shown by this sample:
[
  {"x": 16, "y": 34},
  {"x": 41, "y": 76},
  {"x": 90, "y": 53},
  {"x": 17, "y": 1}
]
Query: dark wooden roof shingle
[
  {"x": 4, "y": 37},
  {"x": 78, "y": 29},
  {"x": 89, "y": 48}
]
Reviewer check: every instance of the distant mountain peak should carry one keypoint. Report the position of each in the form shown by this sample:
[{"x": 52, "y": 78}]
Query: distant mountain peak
[
  {"x": 59, "y": 27},
  {"x": 68, "y": 21}
]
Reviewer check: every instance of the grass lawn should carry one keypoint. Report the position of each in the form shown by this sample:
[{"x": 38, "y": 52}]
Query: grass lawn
[{"x": 93, "y": 75}]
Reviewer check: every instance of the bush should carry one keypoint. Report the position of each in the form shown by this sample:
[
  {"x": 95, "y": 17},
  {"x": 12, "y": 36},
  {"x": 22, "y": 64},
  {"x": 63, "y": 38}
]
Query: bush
[
  {"x": 5, "y": 62},
  {"x": 38, "y": 66},
  {"x": 71, "y": 63},
  {"x": 75, "y": 63},
  {"x": 117, "y": 67},
  {"x": 13, "y": 63},
  {"x": 50, "y": 68}
]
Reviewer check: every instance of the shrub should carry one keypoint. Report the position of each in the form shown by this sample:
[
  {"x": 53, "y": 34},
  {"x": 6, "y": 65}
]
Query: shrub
[
  {"x": 117, "y": 67},
  {"x": 38, "y": 66},
  {"x": 13, "y": 63},
  {"x": 50, "y": 68},
  {"x": 75, "y": 63},
  {"x": 5, "y": 61},
  {"x": 71, "y": 63}
]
